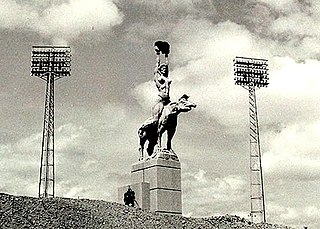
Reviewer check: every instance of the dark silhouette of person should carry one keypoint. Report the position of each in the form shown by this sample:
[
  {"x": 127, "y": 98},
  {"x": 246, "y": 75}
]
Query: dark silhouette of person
[{"x": 129, "y": 197}]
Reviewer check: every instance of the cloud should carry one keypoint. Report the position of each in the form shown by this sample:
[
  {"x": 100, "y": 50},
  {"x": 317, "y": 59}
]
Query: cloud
[
  {"x": 284, "y": 5},
  {"x": 174, "y": 8},
  {"x": 207, "y": 194},
  {"x": 291, "y": 96},
  {"x": 63, "y": 21},
  {"x": 16, "y": 169},
  {"x": 139, "y": 32},
  {"x": 145, "y": 94},
  {"x": 295, "y": 27},
  {"x": 21, "y": 159},
  {"x": 295, "y": 216},
  {"x": 69, "y": 190},
  {"x": 160, "y": 17},
  {"x": 293, "y": 153},
  {"x": 292, "y": 79},
  {"x": 296, "y": 24},
  {"x": 14, "y": 15},
  {"x": 78, "y": 164},
  {"x": 69, "y": 135}
]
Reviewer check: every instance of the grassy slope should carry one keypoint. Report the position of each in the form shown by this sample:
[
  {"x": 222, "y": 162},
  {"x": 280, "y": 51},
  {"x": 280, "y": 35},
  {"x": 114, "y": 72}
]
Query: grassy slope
[{"x": 29, "y": 212}]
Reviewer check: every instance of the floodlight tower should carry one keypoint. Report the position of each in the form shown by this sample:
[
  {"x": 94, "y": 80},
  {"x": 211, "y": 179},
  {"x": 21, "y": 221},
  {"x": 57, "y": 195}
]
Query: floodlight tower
[
  {"x": 251, "y": 73},
  {"x": 49, "y": 63}
]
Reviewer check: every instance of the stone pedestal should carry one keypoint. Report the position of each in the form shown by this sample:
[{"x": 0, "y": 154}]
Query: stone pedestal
[
  {"x": 156, "y": 182},
  {"x": 163, "y": 173}
]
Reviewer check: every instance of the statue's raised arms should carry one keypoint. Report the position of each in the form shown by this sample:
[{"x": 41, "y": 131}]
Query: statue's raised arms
[{"x": 161, "y": 78}]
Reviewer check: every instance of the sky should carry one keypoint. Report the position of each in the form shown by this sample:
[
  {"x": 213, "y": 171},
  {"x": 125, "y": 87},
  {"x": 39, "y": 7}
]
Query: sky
[{"x": 110, "y": 92}]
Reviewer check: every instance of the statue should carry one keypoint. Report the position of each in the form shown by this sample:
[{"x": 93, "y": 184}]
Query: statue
[
  {"x": 153, "y": 131},
  {"x": 164, "y": 112}
]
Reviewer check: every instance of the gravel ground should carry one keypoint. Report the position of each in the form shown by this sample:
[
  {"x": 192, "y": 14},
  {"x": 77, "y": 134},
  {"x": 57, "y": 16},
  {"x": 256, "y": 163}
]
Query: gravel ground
[{"x": 30, "y": 212}]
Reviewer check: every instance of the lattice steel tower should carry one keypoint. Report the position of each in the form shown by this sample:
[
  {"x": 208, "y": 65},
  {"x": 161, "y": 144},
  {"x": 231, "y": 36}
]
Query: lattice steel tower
[
  {"x": 251, "y": 73},
  {"x": 49, "y": 63}
]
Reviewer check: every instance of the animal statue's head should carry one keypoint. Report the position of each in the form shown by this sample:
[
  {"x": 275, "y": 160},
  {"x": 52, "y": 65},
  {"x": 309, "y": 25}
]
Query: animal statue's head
[{"x": 183, "y": 105}]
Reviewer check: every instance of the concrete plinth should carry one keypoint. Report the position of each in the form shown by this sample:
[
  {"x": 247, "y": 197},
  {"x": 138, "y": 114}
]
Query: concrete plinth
[{"x": 163, "y": 173}]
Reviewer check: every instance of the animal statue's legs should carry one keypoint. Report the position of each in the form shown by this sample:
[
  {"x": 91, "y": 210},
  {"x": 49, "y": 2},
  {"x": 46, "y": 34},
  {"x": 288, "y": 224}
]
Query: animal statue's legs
[
  {"x": 159, "y": 140},
  {"x": 151, "y": 146},
  {"x": 142, "y": 142},
  {"x": 160, "y": 132},
  {"x": 141, "y": 154},
  {"x": 169, "y": 138}
]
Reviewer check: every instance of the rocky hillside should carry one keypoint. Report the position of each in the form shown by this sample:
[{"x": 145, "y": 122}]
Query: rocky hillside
[{"x": 29, "y": 212}]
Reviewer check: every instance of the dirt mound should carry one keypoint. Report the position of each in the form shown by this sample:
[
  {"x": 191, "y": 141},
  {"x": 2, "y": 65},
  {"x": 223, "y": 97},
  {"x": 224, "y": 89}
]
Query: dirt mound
[{"x": 30, "y": 212}]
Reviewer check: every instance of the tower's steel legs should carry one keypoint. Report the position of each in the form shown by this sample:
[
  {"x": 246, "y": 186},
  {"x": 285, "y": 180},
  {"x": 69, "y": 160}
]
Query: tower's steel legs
[
  {"x": 257, "y": 205},
  {"x": 46, "y": 181}
]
